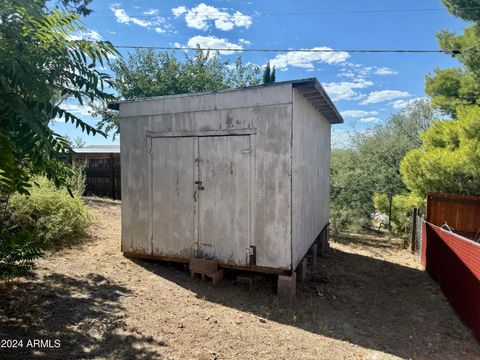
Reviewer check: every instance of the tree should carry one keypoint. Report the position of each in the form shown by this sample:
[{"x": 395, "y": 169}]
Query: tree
[
  {"x": 79, "y": 7},
  {"x": 451, "y": 88},
  {"x": 465, "y": 9},
  {"x": 151, "y": 73},
  {"x": 350, "y": 196},
  {"x": 268, "y": 74},
  {"x": 449, "y": 158},
  {"x": 40, "y": 66},
  {"x": 370, "y": 165}
]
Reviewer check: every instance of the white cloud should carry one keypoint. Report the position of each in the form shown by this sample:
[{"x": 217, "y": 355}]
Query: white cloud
[
  {"x": 86, "y": 35},
  {"x": 243, "y": 41},
  {"x": 154, "y": 20},
  {"x": 151, "y": 12},
  {"x": 242, "y": 20},
  {"x": 345, "y": 90},
  {"x": 76, "y": 109},
  {"x": 202, "y": 15},
  {"x": 212, "y": 42},
  {"x": 384, "y": 95},
  {"x": 306, "y": 60},
  {"x": 357, "y": 113},
  {"x": 179, "y": 11},
  {"x": 352, "y": 70},
  {"x": 123, "y": 18},
  {"x": 402, "y": 104},
  {"x": 384, "y": 71},
  {"x": 370, "y": 120}
]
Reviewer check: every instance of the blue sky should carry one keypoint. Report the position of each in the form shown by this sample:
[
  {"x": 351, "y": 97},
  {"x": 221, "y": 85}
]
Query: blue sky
[{"x": 366, "y": 88}]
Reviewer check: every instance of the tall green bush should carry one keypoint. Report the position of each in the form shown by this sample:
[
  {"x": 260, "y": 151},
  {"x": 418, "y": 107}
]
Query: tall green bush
[{"x": 52, "y": 213}]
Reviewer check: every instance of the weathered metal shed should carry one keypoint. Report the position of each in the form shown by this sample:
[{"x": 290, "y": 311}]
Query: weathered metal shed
[{"x": 241, "y": 176}]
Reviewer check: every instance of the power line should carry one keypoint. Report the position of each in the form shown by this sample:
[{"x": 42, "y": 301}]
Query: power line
[
  {"x": 411, "y": 51},
  {"x": 341, "y": 12},
  {"x": 332, "y": 12}
]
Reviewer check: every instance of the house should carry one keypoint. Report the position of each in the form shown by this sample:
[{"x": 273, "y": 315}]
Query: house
[{"x": 240, "y": 176}]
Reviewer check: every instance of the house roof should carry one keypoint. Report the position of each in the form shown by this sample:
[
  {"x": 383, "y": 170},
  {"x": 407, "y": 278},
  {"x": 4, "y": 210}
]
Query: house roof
[
  {"x": 98, "y": 149},
  {"x": 310, "y": 88}
]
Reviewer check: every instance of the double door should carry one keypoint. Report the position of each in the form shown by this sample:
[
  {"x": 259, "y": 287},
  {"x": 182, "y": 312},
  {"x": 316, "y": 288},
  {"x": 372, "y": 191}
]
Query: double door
[{"x": 201, "y": 197}]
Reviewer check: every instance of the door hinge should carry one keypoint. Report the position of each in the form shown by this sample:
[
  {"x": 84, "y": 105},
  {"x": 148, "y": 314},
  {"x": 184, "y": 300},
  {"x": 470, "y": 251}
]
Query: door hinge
[{"x": 247, "y": 151}]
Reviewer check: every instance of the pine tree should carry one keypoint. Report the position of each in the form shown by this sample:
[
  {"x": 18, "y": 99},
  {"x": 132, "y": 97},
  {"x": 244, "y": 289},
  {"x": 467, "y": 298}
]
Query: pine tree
[
  {"x": 269, "y": 74},
  {"x": 266, "y": 74}
]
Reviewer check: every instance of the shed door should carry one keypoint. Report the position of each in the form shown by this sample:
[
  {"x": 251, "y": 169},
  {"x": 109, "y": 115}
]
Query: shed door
[
  {"x": 173, "y": 208},
  {"x": 224, "y": 202}
]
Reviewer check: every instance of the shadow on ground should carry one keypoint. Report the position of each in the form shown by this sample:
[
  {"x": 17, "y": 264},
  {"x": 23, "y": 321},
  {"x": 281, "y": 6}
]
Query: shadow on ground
[
  {"x": 365, "y": 301},
  {"x": 85, "y": 315}
]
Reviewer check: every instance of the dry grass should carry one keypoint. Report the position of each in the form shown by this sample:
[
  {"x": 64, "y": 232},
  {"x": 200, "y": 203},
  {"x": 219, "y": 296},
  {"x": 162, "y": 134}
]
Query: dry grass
[{"x": 367, "y": 300}]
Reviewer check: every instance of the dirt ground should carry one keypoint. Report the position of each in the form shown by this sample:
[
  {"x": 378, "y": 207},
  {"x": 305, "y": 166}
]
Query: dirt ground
[{"x": 368, "y": 299}]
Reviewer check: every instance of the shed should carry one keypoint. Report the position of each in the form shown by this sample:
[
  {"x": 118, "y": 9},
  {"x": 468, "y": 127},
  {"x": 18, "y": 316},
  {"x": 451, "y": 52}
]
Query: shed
[
  {"x": 102, "y": 169},
  {"x": 240, "y": 176}
]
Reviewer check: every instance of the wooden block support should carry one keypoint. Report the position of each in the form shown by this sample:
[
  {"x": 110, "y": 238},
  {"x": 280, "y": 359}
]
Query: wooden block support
[
  {"x": 203, "y": 265},
  {"x": 217, "y": 277},
  {"x": 312, "y": 254},
  {"x": 327, "y": 238},
  {"x": 287, "y": 286},
  {"x": 206, "y": 269},
  {"x": 301, "y": 271},
  {"x": 323, "y": 242}
]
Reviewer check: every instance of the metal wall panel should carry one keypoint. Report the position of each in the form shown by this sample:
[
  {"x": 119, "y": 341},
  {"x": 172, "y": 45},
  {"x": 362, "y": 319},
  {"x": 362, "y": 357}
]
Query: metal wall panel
[
  {"x": 224, "y": 201},
  {"x": 311, "y": 175},
  {"x": 172, "y": 203}
]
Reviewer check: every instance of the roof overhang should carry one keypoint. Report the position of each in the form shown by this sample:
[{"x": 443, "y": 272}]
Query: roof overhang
[
  {"x": 310, "y": 88},
  {"x": 314, "y": 92}
]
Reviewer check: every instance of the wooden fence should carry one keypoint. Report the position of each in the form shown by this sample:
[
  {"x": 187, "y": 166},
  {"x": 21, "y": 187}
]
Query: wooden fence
[
  {"x": 102, "y": 172},
  {"x": 460, "y": 212}
]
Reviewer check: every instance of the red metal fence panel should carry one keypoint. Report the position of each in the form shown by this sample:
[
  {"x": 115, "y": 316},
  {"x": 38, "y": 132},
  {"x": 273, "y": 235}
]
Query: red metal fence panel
[
  {"x": 460, "y": 212},
  {"x": 454, "y": 263}
]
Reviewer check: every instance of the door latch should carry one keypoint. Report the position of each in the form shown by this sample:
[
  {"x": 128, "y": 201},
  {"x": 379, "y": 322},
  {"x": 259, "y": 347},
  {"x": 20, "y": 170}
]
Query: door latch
[{"x": 199, "y": 185}]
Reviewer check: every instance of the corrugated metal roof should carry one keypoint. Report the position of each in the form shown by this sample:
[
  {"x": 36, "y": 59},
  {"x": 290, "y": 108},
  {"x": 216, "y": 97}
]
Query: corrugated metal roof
[
  {"x": 310, "y": 88},
  {"x": 95, "y": 149}
]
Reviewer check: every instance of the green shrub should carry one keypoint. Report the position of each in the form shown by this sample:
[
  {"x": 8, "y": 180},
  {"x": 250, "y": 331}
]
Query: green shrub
[
  {"x": 78, "y": 180},
  {"x": 52, "y": 213}
]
